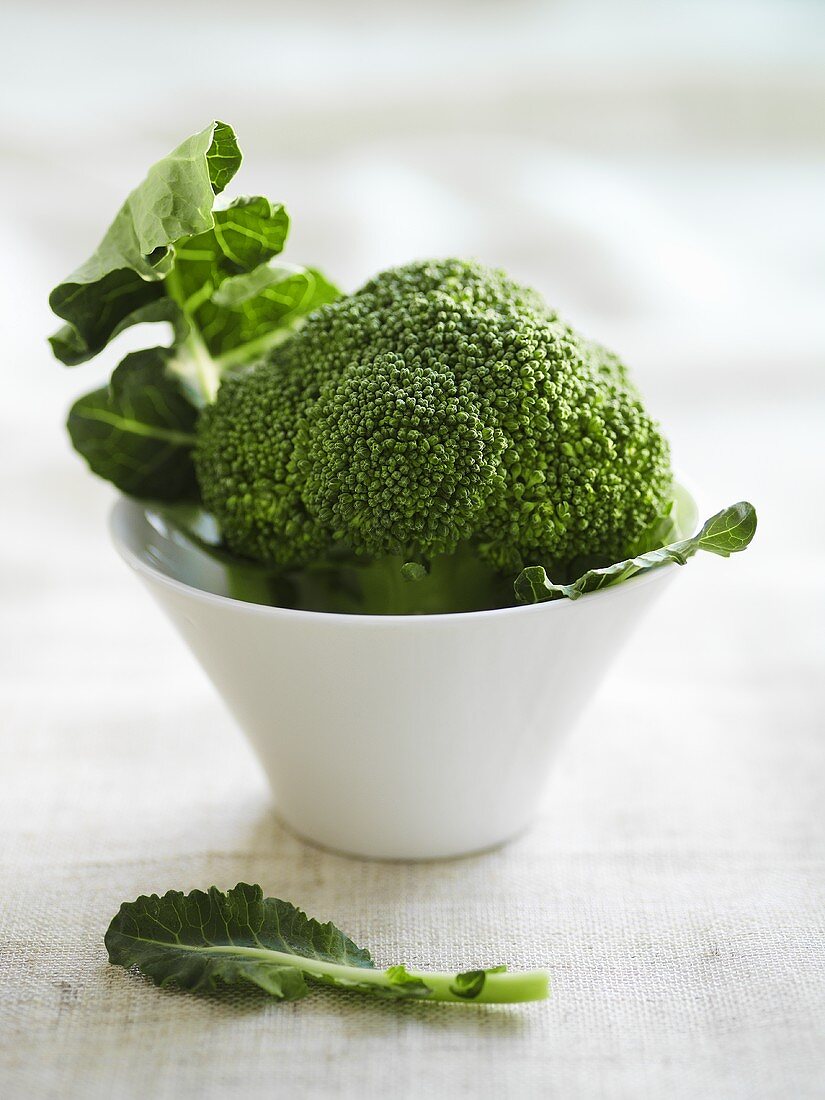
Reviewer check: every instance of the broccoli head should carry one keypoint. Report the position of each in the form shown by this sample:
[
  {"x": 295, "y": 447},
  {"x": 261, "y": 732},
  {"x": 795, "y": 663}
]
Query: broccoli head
[{"x": 442, "y": 406}]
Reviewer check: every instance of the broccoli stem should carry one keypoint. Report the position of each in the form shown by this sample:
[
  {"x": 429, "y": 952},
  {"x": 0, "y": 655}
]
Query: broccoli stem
[
  {"x": 247, "y": 353},
  {"x": 453, "y": 583},
  {"x": 386, "y": 591},
  {"x": 497, "y": 988},
  {"x": 200, "y": 361}
]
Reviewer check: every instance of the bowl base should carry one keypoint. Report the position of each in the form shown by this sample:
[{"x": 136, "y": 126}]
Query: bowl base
[{"x": 447, "y": 857}]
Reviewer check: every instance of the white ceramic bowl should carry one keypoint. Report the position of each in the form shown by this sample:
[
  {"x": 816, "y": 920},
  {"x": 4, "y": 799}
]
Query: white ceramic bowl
[{"x": 385, "y": 736}]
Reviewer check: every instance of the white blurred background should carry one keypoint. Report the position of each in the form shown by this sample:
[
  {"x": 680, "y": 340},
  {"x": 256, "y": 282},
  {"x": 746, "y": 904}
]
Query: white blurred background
[{"x": 656, "y": 168}]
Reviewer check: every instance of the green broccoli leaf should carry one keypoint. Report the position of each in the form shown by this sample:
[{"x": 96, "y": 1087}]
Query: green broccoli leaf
[
  {"x": 414, "y": 571},
  {"x": 260, "y": 308},
  {"x": 138, "y": 431},
  {"x": 236, "y": 302},
  {"x": 726, "y": 533},
  {"x": 170, "y": 257},
  {"x": 124, "y": 275},
  {"x": 469, "y": 984},
  {"x": 203, "y": 940}
]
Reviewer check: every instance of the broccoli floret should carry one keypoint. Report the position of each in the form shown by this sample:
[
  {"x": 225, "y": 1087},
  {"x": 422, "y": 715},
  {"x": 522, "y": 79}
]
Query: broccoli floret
[{"x": 442, "y": 406}]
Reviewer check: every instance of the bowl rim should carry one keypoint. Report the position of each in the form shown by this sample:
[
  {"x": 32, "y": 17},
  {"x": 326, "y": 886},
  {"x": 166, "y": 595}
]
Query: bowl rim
[{"x": 125, "y": 508}]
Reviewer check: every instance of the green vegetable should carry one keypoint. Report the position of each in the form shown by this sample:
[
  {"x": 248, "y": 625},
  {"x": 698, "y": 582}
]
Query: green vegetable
[
  {"x": 202, "y": 940},
  {"x": 726, "y": 533},
  {"x": 145, "y": 404},
  {"x": 170, "y": 256},
  {"x": 407, "y": 449},
  {"x": 125, "y": 274},
  {"x": 441, "y": 406}
]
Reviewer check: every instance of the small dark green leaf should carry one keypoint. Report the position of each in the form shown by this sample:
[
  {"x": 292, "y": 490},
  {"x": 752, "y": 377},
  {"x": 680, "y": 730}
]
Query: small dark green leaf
[
  {"x": 726, "y": 533},
  {"x": 413, "y": 571},
  {"x": 223, "y": 157},
  {"x": 138, "y": 431},
  {"x": 729, "y": 531},
  {"x": 470, "y": 983},
  {"x": 404, "y": 984}
]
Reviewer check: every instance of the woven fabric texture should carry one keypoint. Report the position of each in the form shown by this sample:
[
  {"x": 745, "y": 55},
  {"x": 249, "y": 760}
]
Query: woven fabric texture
[{"x": 674, "y": 884}]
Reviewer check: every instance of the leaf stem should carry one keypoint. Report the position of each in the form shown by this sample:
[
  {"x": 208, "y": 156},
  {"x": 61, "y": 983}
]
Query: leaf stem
[
  {"x": 245, "y": 353},
  {"x": 137, "y": 427},
  {"x": 206, "y": 368},
  {"x": 498, "y": 988}
]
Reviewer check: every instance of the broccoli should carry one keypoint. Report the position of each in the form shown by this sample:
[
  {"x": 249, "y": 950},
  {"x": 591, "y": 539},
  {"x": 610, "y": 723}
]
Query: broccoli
[
  {"x": 442, "y": 425},
  {"x": 442, "y": 408}
]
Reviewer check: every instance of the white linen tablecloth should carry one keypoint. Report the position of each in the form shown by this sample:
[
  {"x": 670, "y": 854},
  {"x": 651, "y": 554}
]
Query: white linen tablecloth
[{"x": 674, "y": 884}]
